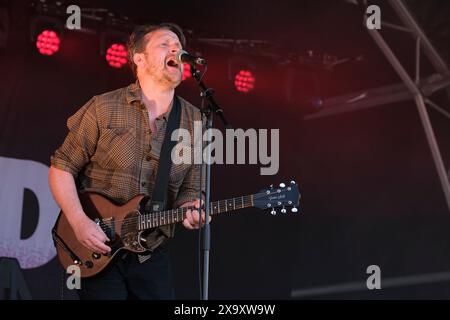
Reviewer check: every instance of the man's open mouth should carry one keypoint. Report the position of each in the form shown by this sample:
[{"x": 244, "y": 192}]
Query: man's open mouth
[{"x": 172, "y": 63}]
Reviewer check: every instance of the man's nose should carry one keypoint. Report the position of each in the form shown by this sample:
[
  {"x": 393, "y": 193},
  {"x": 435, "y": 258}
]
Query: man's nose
[{"x": 174, "y": 49}]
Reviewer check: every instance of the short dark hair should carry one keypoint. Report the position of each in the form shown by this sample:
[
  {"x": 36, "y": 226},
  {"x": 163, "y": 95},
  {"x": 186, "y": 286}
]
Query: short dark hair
[{"x": 138, "y": 40}]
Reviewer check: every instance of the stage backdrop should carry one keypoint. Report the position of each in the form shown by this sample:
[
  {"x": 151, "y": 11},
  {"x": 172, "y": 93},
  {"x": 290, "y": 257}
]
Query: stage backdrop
[{"x": 370, "y": 192}]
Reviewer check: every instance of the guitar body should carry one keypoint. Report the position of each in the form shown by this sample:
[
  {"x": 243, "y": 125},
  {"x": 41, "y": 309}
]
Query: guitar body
[{"x": 117, "y": 225}]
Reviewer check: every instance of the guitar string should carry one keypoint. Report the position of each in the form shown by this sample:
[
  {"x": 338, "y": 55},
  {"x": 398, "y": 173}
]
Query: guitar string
[
  {"x": 159, "y": 216},
  {"x": 131, "y": 223},
  {"x": 176, "y": 211},
  {"x": 158, "y": 219}
]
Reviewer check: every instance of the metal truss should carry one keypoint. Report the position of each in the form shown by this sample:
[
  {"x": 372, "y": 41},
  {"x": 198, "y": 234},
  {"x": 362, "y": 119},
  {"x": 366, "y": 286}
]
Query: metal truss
[{"x": 416, "y": 89}]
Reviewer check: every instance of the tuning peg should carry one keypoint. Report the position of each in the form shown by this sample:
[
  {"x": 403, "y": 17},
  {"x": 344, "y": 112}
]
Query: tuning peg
[
  {"x": 292, "y": 182},
  {"x": 283, "y": 210},
  {"x": 271, "y": 186},
  {"x": 273, "y": 212},
  {"x": 294, "y": 210},
  {"x": 282, "y": 185}
]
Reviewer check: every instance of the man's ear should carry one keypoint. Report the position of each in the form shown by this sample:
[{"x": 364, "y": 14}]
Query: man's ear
[{"x": 138, "y": 59}]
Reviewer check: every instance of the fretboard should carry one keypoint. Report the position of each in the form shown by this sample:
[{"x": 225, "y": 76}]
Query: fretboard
[{"x": 157, "y": 219}]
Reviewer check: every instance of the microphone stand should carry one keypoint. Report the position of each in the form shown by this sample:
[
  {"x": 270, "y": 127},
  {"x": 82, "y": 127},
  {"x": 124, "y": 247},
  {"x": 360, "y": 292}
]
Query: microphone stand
[{"x": 208, "y": 110}]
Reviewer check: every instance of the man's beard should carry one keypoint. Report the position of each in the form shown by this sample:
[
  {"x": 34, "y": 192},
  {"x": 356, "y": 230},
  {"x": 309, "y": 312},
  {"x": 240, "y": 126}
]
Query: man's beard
[{"x": 163, "y": 76}]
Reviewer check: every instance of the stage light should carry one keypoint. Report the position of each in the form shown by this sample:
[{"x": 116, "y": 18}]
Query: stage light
[
  {"x": 48, "y": 42},
  {"x": 46, "y": 32},
  {"x": 244, "y": 81},
  {"x": 113, "y": 47},
  {"x": 116, "y": 55},
  {"x": 186, "y": 71},
  {"x": 242, "y": 73}
]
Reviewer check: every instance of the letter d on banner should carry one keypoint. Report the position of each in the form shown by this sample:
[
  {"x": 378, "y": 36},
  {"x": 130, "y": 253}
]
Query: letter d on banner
[{"x": 16, "y": 176}]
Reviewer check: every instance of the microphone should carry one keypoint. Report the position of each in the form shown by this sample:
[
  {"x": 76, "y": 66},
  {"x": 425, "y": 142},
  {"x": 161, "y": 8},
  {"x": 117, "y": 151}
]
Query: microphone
[{"x": 183, "y": 56}]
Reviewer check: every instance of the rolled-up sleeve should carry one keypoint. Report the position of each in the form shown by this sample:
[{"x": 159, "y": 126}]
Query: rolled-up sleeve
[
  {"x": 190, "y": 188},
  {"x": 81, "y": 141}
]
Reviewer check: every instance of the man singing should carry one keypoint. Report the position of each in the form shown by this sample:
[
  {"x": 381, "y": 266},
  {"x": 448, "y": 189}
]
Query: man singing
[{"x": 113, "y": 148}]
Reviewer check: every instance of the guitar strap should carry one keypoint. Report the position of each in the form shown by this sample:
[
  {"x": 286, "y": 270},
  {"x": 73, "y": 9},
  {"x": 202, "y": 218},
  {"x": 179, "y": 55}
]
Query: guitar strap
[{"x": 159, "y": 196}]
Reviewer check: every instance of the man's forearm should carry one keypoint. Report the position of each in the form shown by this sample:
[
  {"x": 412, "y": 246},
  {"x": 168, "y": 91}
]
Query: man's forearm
[{"x": 62, "y": 185}]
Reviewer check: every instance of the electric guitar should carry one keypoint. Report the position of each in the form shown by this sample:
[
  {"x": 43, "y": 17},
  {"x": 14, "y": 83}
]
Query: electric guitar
[{"x": 125, "y": 224}]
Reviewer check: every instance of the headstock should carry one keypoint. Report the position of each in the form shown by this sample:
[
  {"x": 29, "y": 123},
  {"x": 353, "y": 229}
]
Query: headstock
[{"x": 285, "y": 196}]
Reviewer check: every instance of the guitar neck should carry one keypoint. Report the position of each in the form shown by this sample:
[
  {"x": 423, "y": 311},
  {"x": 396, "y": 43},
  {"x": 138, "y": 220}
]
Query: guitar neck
[{"x": 157, "y": 219}]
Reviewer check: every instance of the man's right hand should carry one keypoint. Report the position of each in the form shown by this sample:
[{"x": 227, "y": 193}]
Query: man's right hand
[{"x": 91, "y": 235}]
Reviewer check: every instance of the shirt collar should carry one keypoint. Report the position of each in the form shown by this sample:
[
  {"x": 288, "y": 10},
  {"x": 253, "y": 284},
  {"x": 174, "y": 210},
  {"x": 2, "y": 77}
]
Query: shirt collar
[{"x": 134, "y": 93}]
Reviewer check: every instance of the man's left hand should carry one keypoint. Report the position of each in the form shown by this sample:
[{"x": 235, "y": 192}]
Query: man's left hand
[{"x": 192, "y": 220}]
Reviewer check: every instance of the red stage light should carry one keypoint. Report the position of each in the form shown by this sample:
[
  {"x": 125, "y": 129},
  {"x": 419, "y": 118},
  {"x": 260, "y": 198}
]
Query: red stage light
[
  {"x": 244, "y": 81},
  {"x": 186, "y": 71},
  {"x": 48, "y": 42},
  {"x": 116, "y": 55}
]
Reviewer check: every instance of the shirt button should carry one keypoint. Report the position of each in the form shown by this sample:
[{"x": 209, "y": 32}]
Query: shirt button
[{"x": 143, "y": 184}]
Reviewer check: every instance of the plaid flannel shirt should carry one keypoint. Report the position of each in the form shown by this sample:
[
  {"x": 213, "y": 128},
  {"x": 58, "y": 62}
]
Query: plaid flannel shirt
[{"x": 111, "y": 149}]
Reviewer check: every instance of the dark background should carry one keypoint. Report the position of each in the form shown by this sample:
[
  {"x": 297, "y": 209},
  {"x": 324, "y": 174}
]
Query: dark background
[{"x": 370, "y": 192}]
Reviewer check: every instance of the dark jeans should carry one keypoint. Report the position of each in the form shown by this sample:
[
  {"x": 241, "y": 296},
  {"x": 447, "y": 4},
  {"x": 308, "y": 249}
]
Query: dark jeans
[{"x": 127, "y": 278}]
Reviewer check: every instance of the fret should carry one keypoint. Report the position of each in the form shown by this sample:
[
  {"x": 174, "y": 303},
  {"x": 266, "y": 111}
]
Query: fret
[
  {"x": 230, "y": 206},
  {"x": 214, "y": 207},
  {"x": 242, "y": 202},
  {"x": 234, "y": 203},
  {"x": 181, "y": 213},
  {"x": 226, "y": 205}
]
